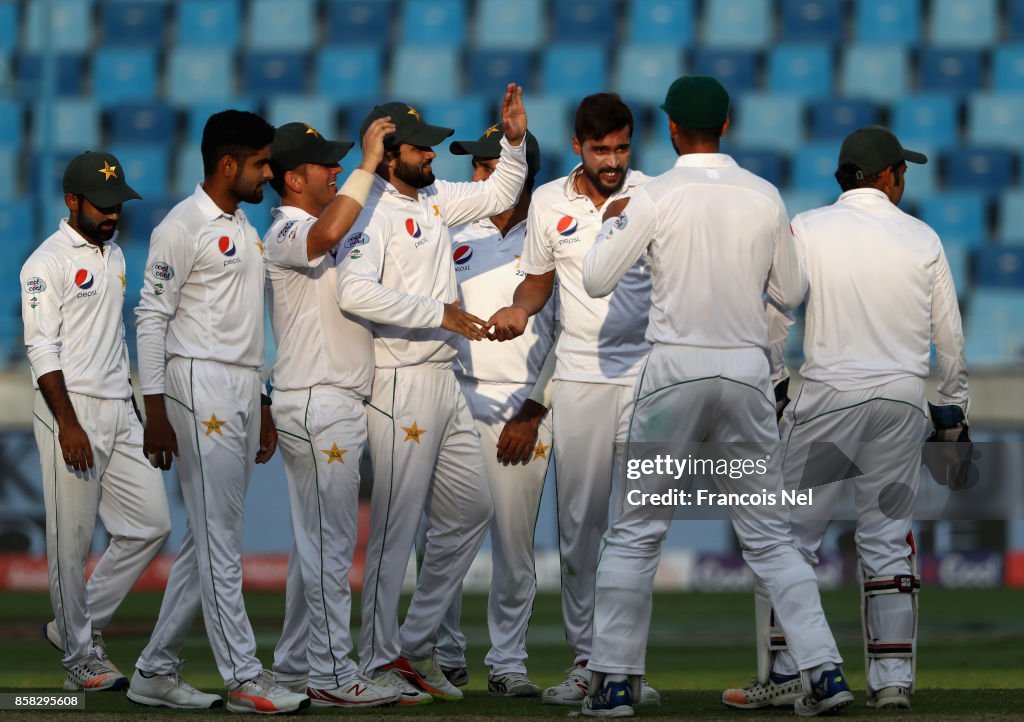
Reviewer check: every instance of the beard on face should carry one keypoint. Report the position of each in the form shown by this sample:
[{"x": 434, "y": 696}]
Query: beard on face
[
  {"x": 594, "y": 176},
  {"x": 99, "y": 231},
  {"x": 414, "y": 175},
  {"x": 247, "y": 191}
]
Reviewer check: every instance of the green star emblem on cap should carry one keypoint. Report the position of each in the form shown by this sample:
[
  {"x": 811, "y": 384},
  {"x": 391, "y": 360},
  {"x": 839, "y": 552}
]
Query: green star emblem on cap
[
  {"x": 108, "y": 171},
  {"x": 310, "y": 130},
  {"x": 414, "y": 113},
  {"x": 490, "y": 131}
]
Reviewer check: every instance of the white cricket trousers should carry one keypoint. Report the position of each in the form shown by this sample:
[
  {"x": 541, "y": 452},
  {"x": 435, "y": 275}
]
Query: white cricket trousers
[
  {"x": 880, "y": 429},
  {"x": 689, "y": 395},
  {"x": 321, "y": 434},
  {"x": 126, "y": 492},
  {"x": 588, "y": 422},
  {"x": 214, "y": 409},
  {"x": 426, "y": 457}
]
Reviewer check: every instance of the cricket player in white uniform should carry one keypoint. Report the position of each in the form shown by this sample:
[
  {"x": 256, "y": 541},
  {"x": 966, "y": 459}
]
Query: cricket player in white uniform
[
  {"x": 707, "y": 379},
  {"x": 426, "y": 453},
  {"x": 879, "y": 293},
  {"x": 85, "y": 423},
  {"x": 504, "y": 385},
  {"x": 323, "y": 372},
  {"x": 599, "y": 353},
  {"x": 200, "y": 333}
]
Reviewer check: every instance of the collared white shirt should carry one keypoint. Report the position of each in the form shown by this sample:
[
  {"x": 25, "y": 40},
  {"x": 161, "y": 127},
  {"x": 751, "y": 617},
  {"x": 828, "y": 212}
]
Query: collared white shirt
[
  {"x": 72, "y": 295},
  {"x": 316, "y": 343},
  {"x": 202, "y": 296},
  {"x": 602, "y": 339},
  {"x": 879, "y": 293},
  {"x": 398, "y": 272}
]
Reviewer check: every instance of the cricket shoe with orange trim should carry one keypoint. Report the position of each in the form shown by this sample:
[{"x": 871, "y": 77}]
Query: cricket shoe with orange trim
[
  {"x": 427, "y": 675},
  {"x": 356, "y": 692},
  {"x": 407, "y": 694},
  {"x": 782, "y": 690},
  {"x": 262, "y": 695},
  {"x": 93, "y": 674}
]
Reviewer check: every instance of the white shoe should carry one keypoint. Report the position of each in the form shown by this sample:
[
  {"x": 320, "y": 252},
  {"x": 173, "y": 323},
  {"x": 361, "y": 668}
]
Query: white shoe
[
  {"x": 648, "y": 694},
  {"x": 890, "y": 698},
  {"x": 572, "y": 690},
  {"x": 169, "y": 690},
  {"x": 512, "y": 684},
  {"x": 427, "y": 675},
  {"x": 52, "y": 634},
  {"x": 407, "y": 694},
  {"x": 263, "y": 695},
  {"x": 94, "y": 675},
  {"x": 293, "y": 685},
  {"x": 782, "y": 690},
  {"x": 356, "y": 692}
]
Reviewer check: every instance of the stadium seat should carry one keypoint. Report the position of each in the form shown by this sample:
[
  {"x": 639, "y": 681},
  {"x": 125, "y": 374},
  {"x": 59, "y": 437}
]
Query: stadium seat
[
  {"x": 12, "y": 122},
  {"x": 1008, "y": 69},
  {"x": 996, "y": 119},
  {"x": 814, "y": 167},
  {"x": 9, "y": 24},
  {"x": 348, "y": 74},
  {"x": 449, "y": 167},
  {"x": 359, "y": 21},
  {"x": 550, "y": 121},
  {"x": 283, "y": 25},
  {"x": 654, "y": 158},
  {"x": 468, "y": 115},
  {"x": 958, "y": 256},
  {"x": 981, "y": 168},
  {"x": 434, "y": 22},
  {"x": 957, "y": 216},
  {"x": 208, "y": 23},
  {"x": 313, "y": 110},
  {"x": 188, "y": 169},
  {"x": 133, "y": 22},
  {"x": 574, "y": 71},
  {"x": 738, "y": 24},
  {"x": 503, "y": 24},
  {"x": 586, "y": 21},
  {"x": 9, "y": 172},
  {"x": 735, "y": 69},
  {"x": 950, "y": 70},
  {"x": 50, "y": 176},
  {"x": 925, "y": 120},
  {"x": 818, "y": 21},
  {"x": 1010, "y": 223},
  {"x": 490, "y": 71},
  {"x": 644, "y": 72},
  {"x": 766, "y": 163},
  {"x": 875, "y": 72},
  {"x": 896, "y": 22},
  {"x": 70, "y": 78},
  {"x": 70, "y": 29},
  {"x": 921, "y": 180},
  {"x": 146, "y": 167},
  {"x": 271, "y": 73},
  {"x": 1000, "y": 268},
  {"x": 76, "y": 124},
  {"x": 1013, "y": 21},
  {"x": 768, "y": 121},
  {"x": 835, "y": 118},
  {"x": 198, "y": 111},
  {"x": 968, "y": 23},
  {"x": 803, "y": 70},
  {"x": 661, "y": 22},
  {"x": 153, "y": 122},
  {"x": 992, "y": 328},
  {"x": 425, "y": 73},
  {"x": 800, "y": 201},
  {"x": 196, "y": 74},
  {"x": 124, "y": 73}
]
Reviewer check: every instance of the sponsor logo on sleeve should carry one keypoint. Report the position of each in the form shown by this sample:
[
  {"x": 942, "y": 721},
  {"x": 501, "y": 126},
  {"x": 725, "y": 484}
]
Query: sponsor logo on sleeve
[
  {"x": 35, "y": 285},
  {"x": 158, "y": 289},
  {"x": 356, "y": 239},
  {"x": 356, "y": 254},
  {"x": 163, "y": 271},
  {"x": 620, "y": 222},
  {"x": 288, "y": 231}
]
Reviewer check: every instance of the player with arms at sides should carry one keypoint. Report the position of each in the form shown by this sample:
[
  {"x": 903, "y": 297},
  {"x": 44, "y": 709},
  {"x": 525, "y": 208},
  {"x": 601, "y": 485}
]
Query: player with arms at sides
[
  {"x": 879, "y": 294},
  {"x": 707, "y": 379},
  {"x": 85, "y": 421},
  {"x": 599, "y": 354}
]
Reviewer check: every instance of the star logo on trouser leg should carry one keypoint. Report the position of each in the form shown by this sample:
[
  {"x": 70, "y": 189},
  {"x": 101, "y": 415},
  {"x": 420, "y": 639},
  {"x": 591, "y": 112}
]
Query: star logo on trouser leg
[
  {"x": 413, "y": 432},
  {"x": 213, "y": 425},
  {"x": 334, "y": 454},
  {"x": 540, "y": 451}
]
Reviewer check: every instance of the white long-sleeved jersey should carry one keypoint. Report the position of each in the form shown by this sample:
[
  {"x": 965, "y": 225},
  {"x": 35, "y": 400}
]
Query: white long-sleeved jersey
[
  {"x": 72, "y": 295},
  {"x": 202, "y": 296},
  {"x": 398, "y": 272}
]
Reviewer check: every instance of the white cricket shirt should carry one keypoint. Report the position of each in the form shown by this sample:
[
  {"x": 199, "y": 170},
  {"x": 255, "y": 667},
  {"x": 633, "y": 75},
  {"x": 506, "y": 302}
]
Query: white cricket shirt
[{"x": 72, "y": 295}]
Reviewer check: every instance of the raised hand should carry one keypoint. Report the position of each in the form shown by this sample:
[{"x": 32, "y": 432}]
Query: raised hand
[
  {"x": 373, "y": 143},
  {"x": 513, "y": 114}
]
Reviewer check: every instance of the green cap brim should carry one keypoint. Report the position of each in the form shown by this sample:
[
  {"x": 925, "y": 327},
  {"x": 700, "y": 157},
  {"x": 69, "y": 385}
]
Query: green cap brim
[
  {"x": 110, "y": 197},
  {"x": 476, "y": 148},
  {"x": 424, "y": 136}
]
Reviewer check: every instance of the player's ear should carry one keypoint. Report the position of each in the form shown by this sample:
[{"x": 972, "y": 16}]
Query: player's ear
[
  {"x": 228, "y": 166},
  {"x": 71, "y": 201},
  {"x": 725, "y": 126},
  {"x": 577, "y": 147}
]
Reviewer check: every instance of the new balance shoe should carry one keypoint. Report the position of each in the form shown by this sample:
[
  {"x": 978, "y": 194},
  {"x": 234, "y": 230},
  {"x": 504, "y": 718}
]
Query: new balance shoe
[
  {"x": 614, "y": 699},
  {"x": 407, "y": 694},
  {"x": 648, "y": 694},
  {"x": 356, "y": 692},
  {"x": 458, "y": 676},
  {"x": 572, "y": 689},
  {"x": 829, "y": 694},
  {"x": 890, "y": 698},
  {"x": 782, "y": 690},
  {"x": 169, "y": 690},
  {"x": 262, "y": 695},
  {"x": 93, "y": 674},
  {"x": 512, "y": 684},
  {"x": 427, "y": 675}
]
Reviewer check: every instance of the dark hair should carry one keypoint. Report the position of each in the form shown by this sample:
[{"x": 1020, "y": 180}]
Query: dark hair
[
  {"x": 237, "y": 133},
  {"x": 277, "y": 182},
  {"x": 601, "y": 114},
  {"x": 848, "y": 180}
]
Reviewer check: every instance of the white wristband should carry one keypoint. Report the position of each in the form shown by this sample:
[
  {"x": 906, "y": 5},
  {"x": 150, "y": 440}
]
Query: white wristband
[{"x": 357, "y": 187}]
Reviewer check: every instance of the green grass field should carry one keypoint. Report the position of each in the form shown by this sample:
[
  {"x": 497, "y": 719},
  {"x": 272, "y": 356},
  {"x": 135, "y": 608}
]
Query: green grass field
[{"x": 971, "y": 663}]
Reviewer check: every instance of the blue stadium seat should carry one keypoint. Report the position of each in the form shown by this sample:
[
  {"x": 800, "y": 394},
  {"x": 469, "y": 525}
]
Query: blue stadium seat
[
  {"x": 738, "y": 24},
  {"x": 888, "y": 21},
  {"x": 969, "y": 23},
  {"x": 504, "y": 24},
  {"x": 208, "y": 23},
  {"x": 9, "y": 173},
  {"x": 996, "y": 119},
  {"x": 1000, "y": 268},
  {"x": 197, "y": 74},
  {"x": 449, "y": 167},
  {"x": 835, "y": 118},
  {"x": 51, "y": 177},
  {"x": 468, "y": 115},
  {"x": 154, "y": 122},
  {"x": 1008, "y": 69},
  {"x": 359, "y": 21},
  {"x": 9, "y": 23},
  {"x": 921, "y": 180},
  {"x": 425, "y": 73},
  {"x": 146, "y": 167},
  {"x": 139, "y": 220},
  {"x": 70, "y": 29},
  {"x": 661, "y": 22},
  {"x": 992, "y": 328},
  {"x": 133, "y": 22},
  {"x": 766, "y": 163},
  {"x": 800, "y": 201},
  {"x": 574, "y": 70},
  {"x": 124, "y": 73},
  {"x": 490, "y": 71},
  {"x": 270, "y": 73},
  {"x": 735, "y": 69},
  {"x": 349, "y": 73},
  {"x": 550, "y": 121},
  {"x": 803, "y": 70},
  {"x": 198, "y": 112},
  {"x": 12, "y": 122},
  {"x": 875, "y": 72},
  {"x": 958, "y": 256},
  {"x": 981, "y": 168},
  {"x": 587, "y": 21},
  {"x": 654, "y": 157},
  {"x": 819, "y": 21},
  {"x": 188, "y": 169},
  {"x": 1014, "y": 20},
  {"x": 434, "y": 22},
  {"x": 925, "y": 120},
  {"x": 957, "y": 216},
  {"x": 70, "y": 78},
  {"x": 76, "y": 124},
  {"x": 17, "y": 220},
  {"x": 814, "y": 167},
  {"x": 950, "y": 70},
  {"x": 284, "y": 25},
  {"x": 644, "y": 72},
  {"x": 1010, "y": 223},
  {"x": 312, "y": 110},
  {"x": 768, "y": 121}
]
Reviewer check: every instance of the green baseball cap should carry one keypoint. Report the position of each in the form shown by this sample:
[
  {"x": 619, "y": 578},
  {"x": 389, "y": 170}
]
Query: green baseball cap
[
  {"x": 99, "y": 177},
  {"x": 697, "y": 101},
  {"x": 874, "y": 148},
  {"x": 488, "y": 145},
  {"x": 298, "y": 143},
  {"x": 409, "y": 126}
]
